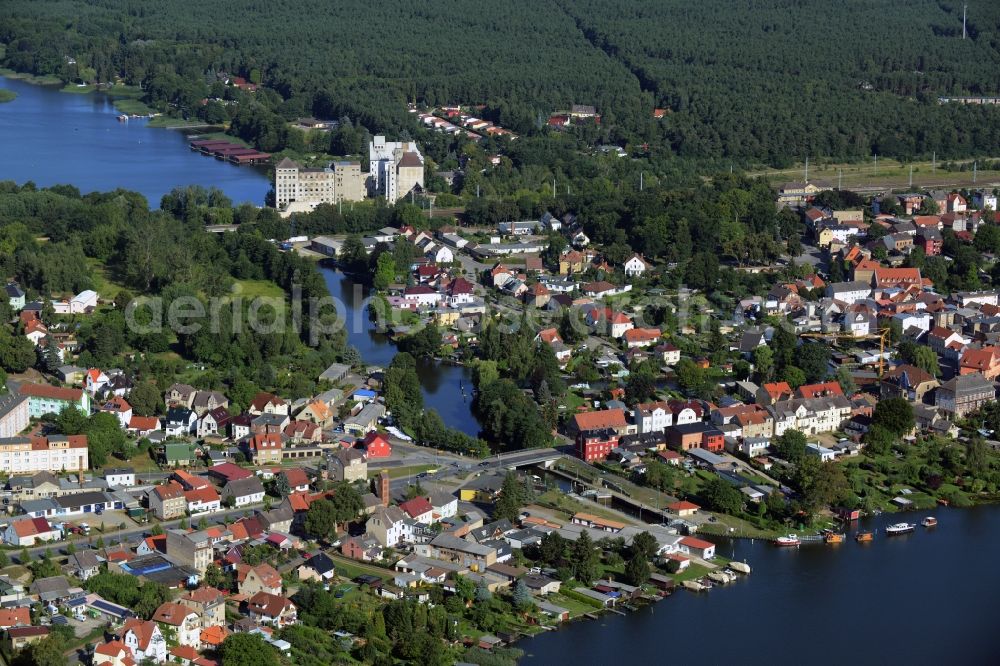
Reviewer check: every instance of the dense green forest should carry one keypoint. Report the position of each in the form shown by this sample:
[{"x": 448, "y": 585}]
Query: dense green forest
[{"x": 762, "y": 82}]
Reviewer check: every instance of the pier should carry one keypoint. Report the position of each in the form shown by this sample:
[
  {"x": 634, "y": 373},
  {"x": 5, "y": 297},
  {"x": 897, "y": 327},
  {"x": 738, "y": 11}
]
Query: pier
[{"x": 229, "y": 151}]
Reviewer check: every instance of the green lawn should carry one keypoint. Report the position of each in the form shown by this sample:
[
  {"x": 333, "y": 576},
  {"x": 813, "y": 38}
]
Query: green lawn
[
  {"x": 132, "y": 107},
  {"x": 397, "y": 472},
  {"x": 222, "y": 136},
  {"x": 257, "y": 288},
  {"x": 572, "y": 402},
  {"x": 167, "y": 121},
  {"x": 556, "y": 500},
  {"x": 352, "y": 569},
  {"x": 103, "y": 285},
  {"x": 141, "y": 462},
  {"x": 575, "y": 608},
  {"x": 692, "y": 572}
]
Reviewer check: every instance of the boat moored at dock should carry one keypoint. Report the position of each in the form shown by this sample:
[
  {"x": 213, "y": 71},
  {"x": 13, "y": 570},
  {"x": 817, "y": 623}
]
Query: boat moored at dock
[
  {"x": 740, "y": 567},
  {"x": 694, "y": 586},
  {"x": 787, "y": 541}
]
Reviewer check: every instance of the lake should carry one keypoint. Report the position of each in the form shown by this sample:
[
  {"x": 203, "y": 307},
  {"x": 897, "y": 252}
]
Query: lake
[
  {"x": 442, "y": 384},
  {"x": 922, "y": 598},
  {"x": 76, "y": 139},
  {"x": 51, "y": 137}
]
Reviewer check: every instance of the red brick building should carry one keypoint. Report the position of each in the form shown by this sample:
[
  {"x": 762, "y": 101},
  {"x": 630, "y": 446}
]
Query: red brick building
[{"x": 592, "y": 445}]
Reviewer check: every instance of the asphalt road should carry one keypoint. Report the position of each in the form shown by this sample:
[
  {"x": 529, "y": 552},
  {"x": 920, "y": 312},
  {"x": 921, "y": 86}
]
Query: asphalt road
[{"x": 114, "y": 537}]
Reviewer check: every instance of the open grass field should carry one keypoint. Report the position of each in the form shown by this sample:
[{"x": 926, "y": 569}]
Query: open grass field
[
  {"x": 132, "y": 107},
  {"x": 175, "y": 123},
  {"x": 103, "y": 285},
  {"x": 865, "y": 176},
  {"x": 257, "y": 288}
]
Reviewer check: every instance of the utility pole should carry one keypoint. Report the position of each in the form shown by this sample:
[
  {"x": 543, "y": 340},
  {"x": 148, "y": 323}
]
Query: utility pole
[
  {"x": 876, "y": 164},
  {"x": 934, "y": 162},
  {"x": 640, "y": 181},
  {"x": 975, "y": 172},
  {"x": 965, "y": 7},
  {"x": 911, "y": 176},
  {"x": 807, "y": 168},
  {"x": 553, "y": 188},
  {"x": 840, "y": 179}
]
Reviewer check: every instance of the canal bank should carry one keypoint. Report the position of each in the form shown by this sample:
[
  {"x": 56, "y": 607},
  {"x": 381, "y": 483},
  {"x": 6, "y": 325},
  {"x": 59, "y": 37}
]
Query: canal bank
[
  {"x": 446, "y": 388},
  {"x": 922, "y": 598},
  {"x": 75, "y": 139}
]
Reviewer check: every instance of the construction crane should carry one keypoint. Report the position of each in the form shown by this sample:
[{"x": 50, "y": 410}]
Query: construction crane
[{"x": 882, "y": 337}]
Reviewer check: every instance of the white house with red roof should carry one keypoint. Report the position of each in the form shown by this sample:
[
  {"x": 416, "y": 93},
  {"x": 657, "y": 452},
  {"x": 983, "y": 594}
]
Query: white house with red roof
[
  {"x": 296, "y": 478},
  {"x": 419, "y": 509},
  {"x": 143, "y": 425},
  {"x": 203, "y": 500},
  {"x": 182, "y": 619},
  {"x": 145, "y": 640},
  {"x": 35, "y": 330},
  {"x": 636, "y": 338},
  {"x": 29, "y": 531},
  {"x": 459, "y": 291},
  {"x": 607, "y": 320},
  {"x": 120, "y": 409},
  {"x": 697, "y": 547},
  {"x": 421, "y": 295},
  {"x": 272, "y": 609},
  {"x": 268, "y": 403},
  {"x": 113, "y": 653},
  {"x": 95, "y": 380}
]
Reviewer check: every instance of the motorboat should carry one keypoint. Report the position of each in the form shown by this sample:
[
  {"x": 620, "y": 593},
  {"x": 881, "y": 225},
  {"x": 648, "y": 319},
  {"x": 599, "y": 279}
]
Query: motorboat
[
  {"x": 900, "y": 528},
  {"x": 786, "y": 541},
  {"x": 929, "y": 521}
]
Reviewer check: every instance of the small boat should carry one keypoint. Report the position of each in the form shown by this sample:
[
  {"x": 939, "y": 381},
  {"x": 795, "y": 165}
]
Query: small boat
[
  {"x": 833, "y": 537},
  {"x": 900, "y": 528},
  {"x": 693, "y": 585},
  {"x": 721, "y": 577},
  {"x": 740, "y": 567},
  {"x": 864, "y": 537},
  {"x": 929, "y": 521},
  {"x": 786, "y": 541}
]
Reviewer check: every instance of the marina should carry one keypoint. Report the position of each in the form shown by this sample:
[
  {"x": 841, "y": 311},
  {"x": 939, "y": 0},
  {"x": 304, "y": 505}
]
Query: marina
[{"x": 785, "y": 585}]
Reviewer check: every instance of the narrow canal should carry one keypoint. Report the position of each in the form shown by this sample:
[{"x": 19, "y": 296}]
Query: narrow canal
[
  {"x": 446, "y": 388},
  {"x": 51, "y": 138},
  {"x": 922, "y": 598}
]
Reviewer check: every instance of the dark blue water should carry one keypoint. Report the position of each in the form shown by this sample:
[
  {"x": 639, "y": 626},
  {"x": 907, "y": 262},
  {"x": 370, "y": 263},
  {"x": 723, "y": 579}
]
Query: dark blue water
[
  {"x": 442, "y": 384},
  {"x": 51, "y": 138},
  {"x": 925, "y": 598}
]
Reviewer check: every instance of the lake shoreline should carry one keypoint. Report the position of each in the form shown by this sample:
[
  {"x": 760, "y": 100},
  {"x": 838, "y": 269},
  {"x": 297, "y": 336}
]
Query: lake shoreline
[{"x": 76, "y": 139}]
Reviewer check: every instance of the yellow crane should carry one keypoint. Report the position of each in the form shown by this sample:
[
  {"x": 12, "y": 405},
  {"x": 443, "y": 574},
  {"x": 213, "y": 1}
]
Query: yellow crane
[{"x": 882, "y": 337}]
